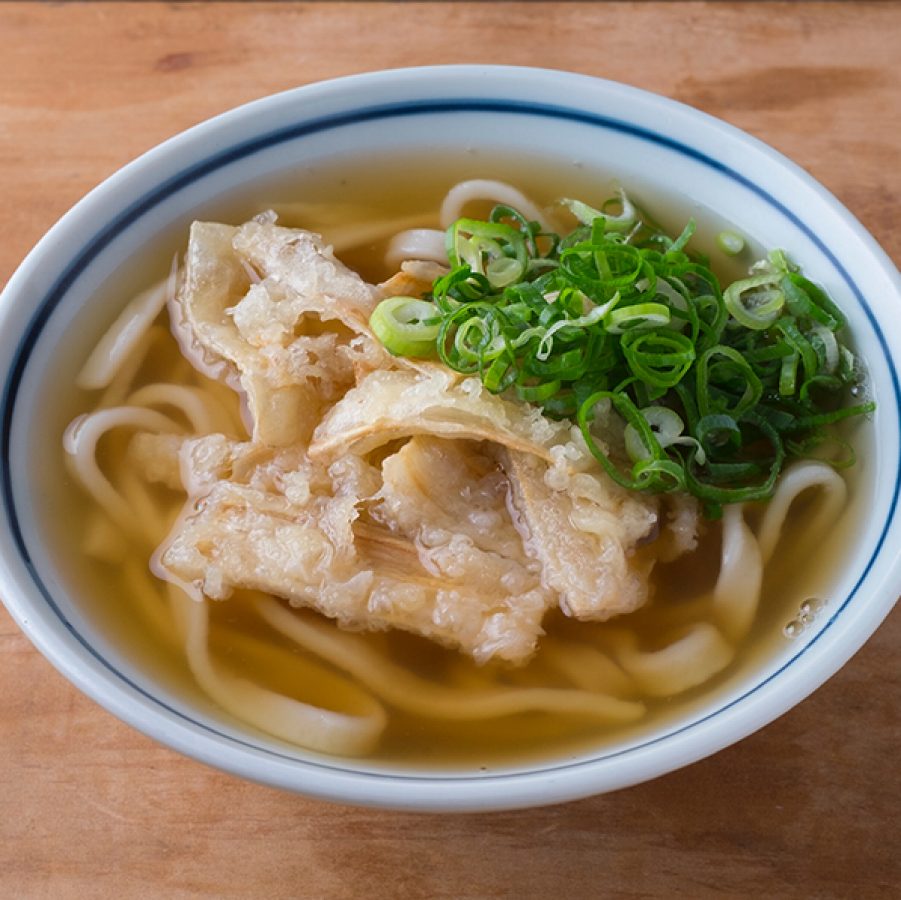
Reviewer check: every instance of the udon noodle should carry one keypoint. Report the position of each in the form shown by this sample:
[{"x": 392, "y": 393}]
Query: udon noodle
[{"x": 157, "y": 402}]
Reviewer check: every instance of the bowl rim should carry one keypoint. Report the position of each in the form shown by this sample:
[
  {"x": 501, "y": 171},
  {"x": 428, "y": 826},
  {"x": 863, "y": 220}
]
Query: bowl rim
[{"x": 545, "y": 783}]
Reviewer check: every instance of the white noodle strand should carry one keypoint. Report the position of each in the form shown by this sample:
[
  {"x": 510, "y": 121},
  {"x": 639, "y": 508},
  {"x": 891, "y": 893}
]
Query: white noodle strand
[
  {"x": 793, "y": 482},
  {"x": 404, "y": 690},
  {"x": 192, "y": 402},
  {"x": 737, "y": 591},
  {"x": 123, "y": 335},
  {"x": 696, "y": 656},
  {"x": 319, "y": 729},
  {"x": 148, "y": 517},
  {"x": 417, "y": 243},
  {"x": 350, "y": 236},
  {"x": 328, "y": 219},
  {"x": 586, "y": 667},
  {"x": 117, "y": 390},
  {"x": 149, "y": 602},
  {"x": 484, "y": 189},
  {"x": 80, "y": 443}
]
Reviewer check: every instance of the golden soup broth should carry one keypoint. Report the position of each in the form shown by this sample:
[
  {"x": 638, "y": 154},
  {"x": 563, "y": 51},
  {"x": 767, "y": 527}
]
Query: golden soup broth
[{"x": 131, "y": 604}]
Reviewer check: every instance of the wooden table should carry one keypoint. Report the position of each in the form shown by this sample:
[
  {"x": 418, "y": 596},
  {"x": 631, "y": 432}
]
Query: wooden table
[{"x": 89, "y": 808}]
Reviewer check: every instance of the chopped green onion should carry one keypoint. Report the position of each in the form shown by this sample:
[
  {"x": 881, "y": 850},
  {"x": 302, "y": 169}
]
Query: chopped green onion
[
  {"x": 652, "y": 472},
  {"x": 730, "y": 242},
  {"x": 754, "y": 302},
  {"x": 639, "y": 315},
  {"x": 406, "y": 326},
  {"x": 721, "y": 373},
  {"x": 502, "y": 271},
  {"x": 788, "y": 374},
  {"x": 588, "y": 215},
  {"x": 713, "y": 389},
  {"x": 664, "y": 423},
  {"x": 658, "y": 358},
  {"x": 538, "y": 393},
  {"x": 686, "y": 235},
  {"x": 492, "y": 249},
  {"x": 823, "y": 341}
]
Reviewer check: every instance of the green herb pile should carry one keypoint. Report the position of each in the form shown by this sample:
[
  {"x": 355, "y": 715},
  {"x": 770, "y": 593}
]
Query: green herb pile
[{"x": 716, "y": 388}]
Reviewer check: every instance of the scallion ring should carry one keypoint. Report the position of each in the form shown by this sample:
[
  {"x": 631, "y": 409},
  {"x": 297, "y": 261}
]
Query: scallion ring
[
  {"x": 754, "y": 302},
  {"x": 406, "y": 326}
]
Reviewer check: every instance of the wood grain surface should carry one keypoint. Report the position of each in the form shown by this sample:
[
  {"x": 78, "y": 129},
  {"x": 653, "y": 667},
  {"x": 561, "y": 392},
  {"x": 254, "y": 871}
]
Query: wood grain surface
[{"x": 808, "y": 807}]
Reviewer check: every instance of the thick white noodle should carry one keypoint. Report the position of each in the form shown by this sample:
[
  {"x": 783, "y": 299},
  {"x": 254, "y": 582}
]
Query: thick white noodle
[
  {"x": 124, "y": 334},
  {"x": 586, "y": 667},
  {"x": 699, "y": 654},
  {"x": 328, "y": 219},
  {"x": 346, "y": 237},
  {"x": 737, "y": 591},
  {"x": 118, "y": 388},
  {"x": 416, "y": 243},
  {"x": 404, "y": 690},
  {"x": 80, "y": 443},
  {"x": 313, "y": 727},
  {"x": 195, "y": 403},
  {"x": 148, "y": 517},
  {"x": 484, "y": 189},
  {"x": 794, "y": 481},
  {"x": 150, "y": 602}
]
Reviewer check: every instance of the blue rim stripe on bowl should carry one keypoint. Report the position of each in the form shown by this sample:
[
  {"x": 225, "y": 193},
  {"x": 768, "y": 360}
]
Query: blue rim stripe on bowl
[{"x": 314, "y": 126}]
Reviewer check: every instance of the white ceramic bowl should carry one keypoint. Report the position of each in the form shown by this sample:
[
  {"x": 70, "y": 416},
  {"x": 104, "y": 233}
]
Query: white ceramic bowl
[{"x": 50, "y": 309}]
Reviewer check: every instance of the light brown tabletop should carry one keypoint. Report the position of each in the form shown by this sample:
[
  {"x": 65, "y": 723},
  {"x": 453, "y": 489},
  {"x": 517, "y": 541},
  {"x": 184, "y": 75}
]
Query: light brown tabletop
[{"x": 808, "y": 807}]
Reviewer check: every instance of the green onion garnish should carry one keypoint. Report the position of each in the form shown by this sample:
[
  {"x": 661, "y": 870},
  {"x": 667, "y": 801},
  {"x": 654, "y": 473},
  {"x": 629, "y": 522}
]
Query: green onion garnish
[
  {"x": 406, "y": 326},
  {"x": 730, "y": 242},
  {"x": 715, "y": 389}
]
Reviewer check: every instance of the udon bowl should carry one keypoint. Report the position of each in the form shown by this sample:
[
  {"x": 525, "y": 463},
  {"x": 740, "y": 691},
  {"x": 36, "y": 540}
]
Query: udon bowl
[{"x": 53, "y": 304}]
